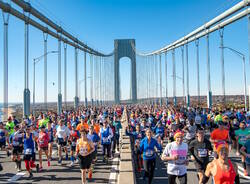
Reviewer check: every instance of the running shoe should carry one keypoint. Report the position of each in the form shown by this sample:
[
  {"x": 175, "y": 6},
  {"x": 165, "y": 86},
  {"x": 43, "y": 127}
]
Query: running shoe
[
  {"x": 30, "y": 176},
  {"x": 8, "y": 153},
  {"x": 60, "y": 162},
  {"x": 76, "y": 161},
  {"x": 48, "y": 163},
  {"x": 40, "y": 169},
  {"x": 71, "y": 164}
]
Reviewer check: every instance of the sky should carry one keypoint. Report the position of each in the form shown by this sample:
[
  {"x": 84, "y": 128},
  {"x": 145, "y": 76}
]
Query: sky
[{"x": 153, "y": 23}]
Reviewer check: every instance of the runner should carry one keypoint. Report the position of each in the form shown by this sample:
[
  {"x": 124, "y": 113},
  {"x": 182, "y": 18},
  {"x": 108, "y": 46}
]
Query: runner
[
  {"x": 147, "y": 147},
  {"x": 93, "y": 136},
  {"x": 62, "y": 134},
  {"x": 241, "y": 137},
  {"x": 106, "y": 135},
  {"x": 3, "y": 138},
  {"x": 245, "y": 150},
  {"x": 199, "y": 149},
  {"x": 117, "y": 125},
  {"x": 74, "y": 135},
  {"x": 29, "y": 151},
  {"x": 222, "y": 169},
  {"x": 51, "y": 133},
  {"x": 84, "y": 150},
  {"x": 176, "y": 155},
  {"x": 16, "y": 142},
  {"x": 43, "y": 141}
]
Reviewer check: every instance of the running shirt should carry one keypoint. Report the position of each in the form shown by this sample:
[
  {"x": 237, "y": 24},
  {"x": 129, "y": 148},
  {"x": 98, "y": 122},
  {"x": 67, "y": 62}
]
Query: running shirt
[
  {"x": 118, "y": 126},
  {"x": 74, "y": 135},
  {"x": 200, "y": 150},
  {"x": 2, "y": 136},
  {"x": 94, "y": 138},
  {"x": 43, "y": 139},
  {"x": 221, "y": 135},
  {"x": 62, "y": 131},
  {"x": 224, "y": 177},
  {"x": 148, "y": 149},
  {"x": 106, "y": 135},
  {"x": 177, "y": 167},
  {"x": 17, "y": 138},
  {"x": 191, "y": 130},
  {"x": 10, "y": 127},
  {"x": 242, "y": 134},
  {"x": 84, "y": 148},
  {"x": 82, "y": 126},
  {"x": 28, "y": 144}
]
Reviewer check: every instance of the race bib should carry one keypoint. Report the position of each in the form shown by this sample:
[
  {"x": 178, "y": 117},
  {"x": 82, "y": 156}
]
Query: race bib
[
  {"x": 181, "y": 160},
  {"x": 243, "y": 139},
  {"x": 202, "y": 153},
  {"x": 73, "y": 143},
  {"x": 28, "y": 151},
  {"x": 95, "y": 143},
  {"x": 149, "y": 153},
  {"x": 15, "y": 143},
  {"x": 83, "y": 151},
  {"x": 41, "y": 142},
  {"x": 105, "y": 140}
]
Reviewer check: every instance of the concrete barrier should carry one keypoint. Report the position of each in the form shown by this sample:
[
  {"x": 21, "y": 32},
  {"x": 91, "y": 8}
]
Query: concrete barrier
[{"x": 126, "y": 168}]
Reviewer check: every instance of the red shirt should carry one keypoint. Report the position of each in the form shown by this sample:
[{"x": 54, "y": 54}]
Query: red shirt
[{"x": 43, "y": 139}]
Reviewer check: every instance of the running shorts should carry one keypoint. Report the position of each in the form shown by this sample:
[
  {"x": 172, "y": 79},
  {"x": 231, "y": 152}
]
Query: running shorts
[
  {"x": 85, "y": 161},
  {"x": 17, "y": 150},
  {"x": 30, "y": 157}
]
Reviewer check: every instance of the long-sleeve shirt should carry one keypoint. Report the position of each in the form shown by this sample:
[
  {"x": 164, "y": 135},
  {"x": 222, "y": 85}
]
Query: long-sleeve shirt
[{"x": 148, "y": 148}]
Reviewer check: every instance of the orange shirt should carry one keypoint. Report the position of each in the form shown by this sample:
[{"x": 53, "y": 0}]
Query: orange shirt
[
  {"x": 83, "y": 126},
  {"x": 83, "y": 147},
  {"x": 218, "y": 134},
  {"x": 223, "y": 176},
  {"x": 97, "y": 128}
]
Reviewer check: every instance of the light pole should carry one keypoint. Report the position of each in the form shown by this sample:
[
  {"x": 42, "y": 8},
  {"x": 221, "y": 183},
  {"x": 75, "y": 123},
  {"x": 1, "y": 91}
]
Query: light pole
[
  {"x": 35, "y": 61},
  {"x": 244, "y": 72}
]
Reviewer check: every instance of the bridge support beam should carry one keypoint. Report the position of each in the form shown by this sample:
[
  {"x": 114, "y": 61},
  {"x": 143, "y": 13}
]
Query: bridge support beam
[
  {"x": 221, "y": 32},
  {"x": 160, "y": 81},
  {"x": 174, "y": 78},
  {"x": 59, "y": 98},
  {"x": 183, "y": 75},
  {"x": 188, "y": 96},
  {"x": 166, "y": 77},
  {"x": 198, "y": 69},
  {"x": 76, "y": 99},
  {"x": 209, "y": 92},
  {"x": 5, "y": 68},
  {"x": 85, "y": 79},
  {"x": 45, "y": 38},
  {"x": 26, "y": 96},
  {"x": 65, "y": 74}
]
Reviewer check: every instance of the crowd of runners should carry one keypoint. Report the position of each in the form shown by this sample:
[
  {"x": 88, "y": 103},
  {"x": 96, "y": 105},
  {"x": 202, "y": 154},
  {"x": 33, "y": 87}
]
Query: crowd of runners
[{"x": 204, "y": 136}]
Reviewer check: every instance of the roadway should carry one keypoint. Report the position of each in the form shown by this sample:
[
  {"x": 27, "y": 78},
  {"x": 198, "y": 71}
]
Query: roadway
[
  {"x": 160, "y": 175},
  {"x": 55, "y": 174}
]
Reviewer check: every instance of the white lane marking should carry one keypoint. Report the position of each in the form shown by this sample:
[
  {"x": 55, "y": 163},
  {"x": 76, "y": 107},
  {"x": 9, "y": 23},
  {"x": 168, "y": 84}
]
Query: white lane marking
[
  {"x": 113, "y": 172},
  {"x": 240, "y": 171},
  {"x": 16, "y": 177}
]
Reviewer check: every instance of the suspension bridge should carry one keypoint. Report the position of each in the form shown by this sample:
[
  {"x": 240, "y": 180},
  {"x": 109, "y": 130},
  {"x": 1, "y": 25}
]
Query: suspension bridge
[{"x": 149, "y": 77}]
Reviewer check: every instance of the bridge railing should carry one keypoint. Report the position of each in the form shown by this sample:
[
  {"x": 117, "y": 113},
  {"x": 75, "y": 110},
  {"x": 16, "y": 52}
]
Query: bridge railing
[{"x": 126, "y": 170}]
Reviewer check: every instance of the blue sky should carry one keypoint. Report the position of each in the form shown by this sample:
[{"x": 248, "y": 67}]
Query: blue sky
[{"x": 153, "y": 23}]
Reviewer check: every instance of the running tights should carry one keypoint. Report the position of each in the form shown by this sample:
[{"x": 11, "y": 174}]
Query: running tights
[
  {"x": 29, "y": 164},
  {"x": 149, "y": 167}
]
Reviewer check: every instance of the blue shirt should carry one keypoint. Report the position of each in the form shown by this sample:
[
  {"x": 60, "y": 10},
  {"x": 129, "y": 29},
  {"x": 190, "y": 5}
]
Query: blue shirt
[
  {"x": 94, "y": 138},
  {"x": 28, "y": 145},
  {"x": 148, "y": 149}
]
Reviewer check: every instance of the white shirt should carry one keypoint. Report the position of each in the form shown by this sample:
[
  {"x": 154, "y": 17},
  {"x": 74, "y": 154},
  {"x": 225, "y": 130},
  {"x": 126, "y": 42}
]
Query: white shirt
[
  {"x": 176, "y": 167},
  {"x": 62, "y": 131}
]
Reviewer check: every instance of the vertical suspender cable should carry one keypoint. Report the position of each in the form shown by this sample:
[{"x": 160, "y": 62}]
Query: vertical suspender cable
[
  {"x": 45, "y": 38},
  {"x": 166, "y": 77},
  {"x": 198, "y": 69},
  {"x": 65, "y": 74},
  {"x": 188, "y": 97},
  {"x": 209, "y": 93}
]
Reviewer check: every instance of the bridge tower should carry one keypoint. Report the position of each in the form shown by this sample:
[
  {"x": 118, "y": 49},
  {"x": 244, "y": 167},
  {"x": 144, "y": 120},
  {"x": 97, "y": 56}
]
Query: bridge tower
[{"x": 125, "y": 48}]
